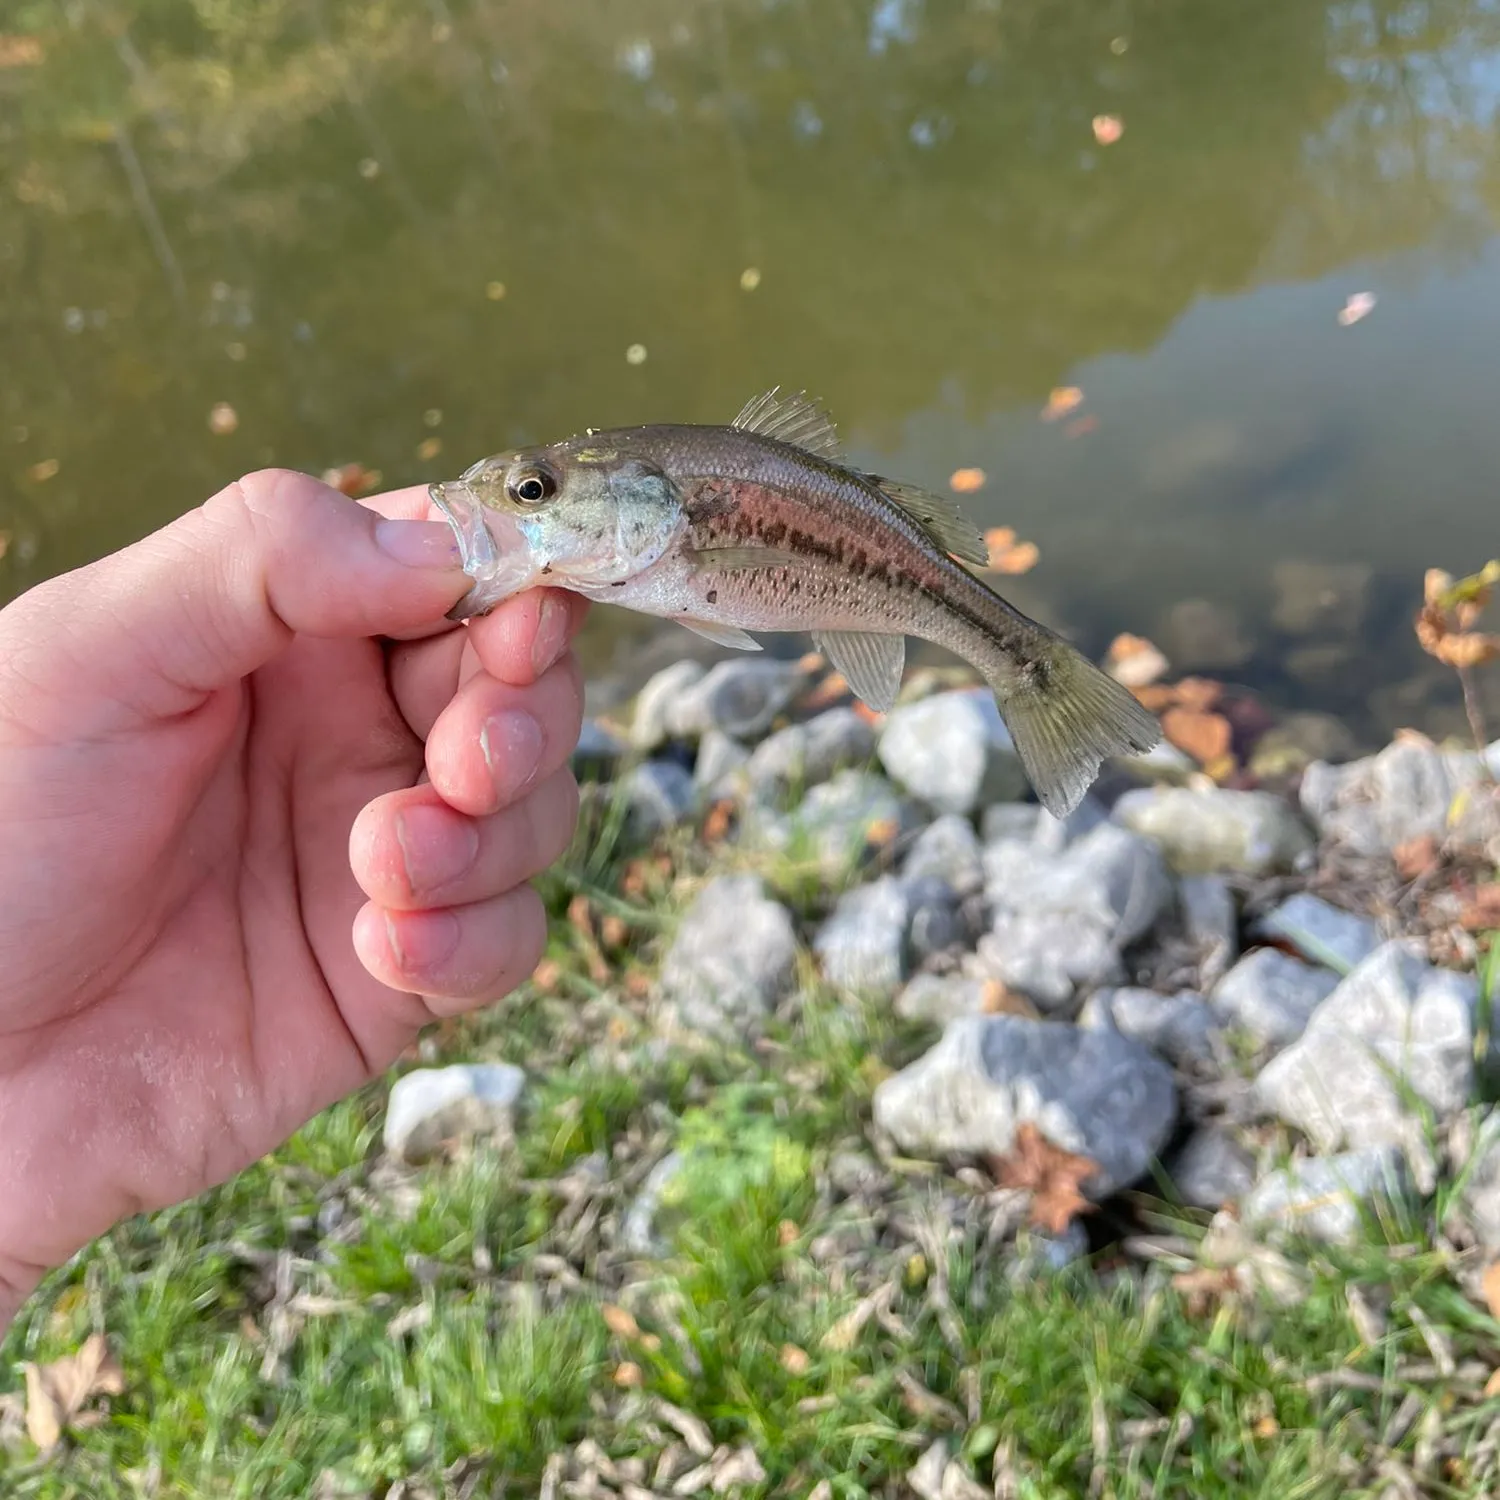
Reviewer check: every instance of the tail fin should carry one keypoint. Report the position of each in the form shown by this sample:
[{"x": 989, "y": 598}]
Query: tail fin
[{"x": 1066, "y": 718}]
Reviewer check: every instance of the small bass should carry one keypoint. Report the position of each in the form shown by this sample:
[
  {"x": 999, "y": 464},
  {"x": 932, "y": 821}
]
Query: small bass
[{"x": 760, "y": 526}]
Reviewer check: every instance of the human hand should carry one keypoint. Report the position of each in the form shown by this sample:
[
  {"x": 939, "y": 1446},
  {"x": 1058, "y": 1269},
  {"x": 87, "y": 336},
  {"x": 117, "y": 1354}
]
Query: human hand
[{"x": 208, "y": 763}]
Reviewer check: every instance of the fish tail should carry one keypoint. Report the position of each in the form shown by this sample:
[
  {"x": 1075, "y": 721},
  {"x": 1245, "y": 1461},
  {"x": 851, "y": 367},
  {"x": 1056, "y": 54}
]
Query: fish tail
[{"x": 1067, "y": 717}]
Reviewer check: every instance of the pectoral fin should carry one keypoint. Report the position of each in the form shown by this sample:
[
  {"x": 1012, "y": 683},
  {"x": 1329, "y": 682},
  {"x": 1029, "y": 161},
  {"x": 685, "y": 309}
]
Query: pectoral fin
[{"x": 721, "y": 635}]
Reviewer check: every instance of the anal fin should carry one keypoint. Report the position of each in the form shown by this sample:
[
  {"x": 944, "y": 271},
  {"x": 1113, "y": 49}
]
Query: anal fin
[{"x": 871, "y": 664}]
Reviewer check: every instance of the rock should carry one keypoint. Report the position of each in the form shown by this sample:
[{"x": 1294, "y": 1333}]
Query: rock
[
  {"x": 835, "y": 822},
  {"x": 1053, "y": 835},
  {"x": 1210, "y": 924},
  {"x": 658, "y": 794},
  {"x": 1012, "y": 868},
  {"x": 935, "y": 922},
  {"x": 1327, "y": 1197},
  {"x": 1405, "y": 792},
  {"x": 1317, "y": 598},
  {"x": 1201, "y": 832},
  {"x": 1203, "y": 635},
  {"x": 655, "y": 701},
  {"x": 597, "y": 747},
  {"x": 1093, "y": 1092},
  {"x": 1002, "y": 821},
  {"x": 1182, "y": 1027},
  {"x": 1479, "y": 1196},
  {"x": 949, "y": 850},
  {"x": 1050, "y": 956},
  {"x": 941, "y": 998},
  {"x": 1211, "y": 1169},
  {"x": 1321, "y": 665},
  {"x": 638, "y": 1229},
  {"x": 733, "y": 957},
  {"x": 1394, "y": 1028},
  {"x": 1321, "y": 932},
  {"x": 1040, "y": 1254},
  {"x": 430, "y": 1107},
  {"x": 953, "y": 751},
  {"x": 1297, "y": 741},
  {"x": 863, "y": 944},
  {"x": 1271, "y": 996},
  {"x": 1164, "y": 763},
  {"x": 740, "y": 698},
  {"x": 806, "y": 754},
  {"x": 719, "y": 770}
]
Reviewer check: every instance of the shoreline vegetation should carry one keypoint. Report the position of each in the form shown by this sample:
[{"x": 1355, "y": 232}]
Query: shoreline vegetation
[{"x": 868, "y": 1132}]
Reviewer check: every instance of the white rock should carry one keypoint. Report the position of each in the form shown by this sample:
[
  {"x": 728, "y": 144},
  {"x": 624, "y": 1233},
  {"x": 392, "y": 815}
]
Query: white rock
[
  {"x": 653, "y": 704},
  {"x": 1329, "y": 1197},
  {"x": 739, "y": 697},
  {"x": 1216, "y": 830},
  {"x": 948, "y": 849},
  {"x": 1050, "y": 956},
  {"x": 429, "y": 1107},
  {"x": 806, "y": 754},
  {"x": 732, "y": 958},
  {"x": 1271, "y": 996},
  {"x": 1055, "y": 834},
  {"x": 1002, "y": 821},
  {"x": 834, "y": 823},
  {"x": 1092, "y": 1092},
  {"x": 719, "y": 770},
  {"x": 941, "y": 998},
  {"x": 1210, "y": 923},
  {"x": 658, "y": 795},
  {"x": 953, "y": 751},
  {"x": 1321, "y": 932},
  {"x": 1395, "y": 1026},
  {"x": 862, "y": 945},
  {"x": 1181, "y": 1027}
]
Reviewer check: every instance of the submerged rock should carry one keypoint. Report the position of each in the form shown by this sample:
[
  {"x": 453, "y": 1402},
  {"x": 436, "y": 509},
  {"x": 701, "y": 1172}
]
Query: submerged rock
[
  {"x": 1271, "y": 996},
  {"x": 1096, "y": 1093},
  {"x": 431, "y": 1107},
  {"x": 953, "y": 751},
  {"x": 1328, "y": 1197},
  {"x": 1208, "y": 831}
]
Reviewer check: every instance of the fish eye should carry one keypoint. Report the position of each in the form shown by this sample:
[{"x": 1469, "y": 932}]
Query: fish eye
[{"x": 532, "y": 486}]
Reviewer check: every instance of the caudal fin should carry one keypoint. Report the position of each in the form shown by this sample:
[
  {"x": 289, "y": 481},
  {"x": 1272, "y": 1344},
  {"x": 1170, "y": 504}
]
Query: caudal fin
[{"x": 1066, "y": 719}]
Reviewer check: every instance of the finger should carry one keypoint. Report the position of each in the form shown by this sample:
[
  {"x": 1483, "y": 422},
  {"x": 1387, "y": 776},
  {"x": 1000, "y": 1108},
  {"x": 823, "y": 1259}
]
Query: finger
[
  {"x": 522, "y": 637},
  {"x": 410, "y": 851},
  {"x": 456, "y": 957},
  {"x": 494, "y": 740},
  {"x": 424, "y": 675},
  {"x": 220, "y": 591}
]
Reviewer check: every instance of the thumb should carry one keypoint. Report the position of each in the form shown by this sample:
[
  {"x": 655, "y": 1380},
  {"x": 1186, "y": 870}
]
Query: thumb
[{"x": 217, "y": 593}]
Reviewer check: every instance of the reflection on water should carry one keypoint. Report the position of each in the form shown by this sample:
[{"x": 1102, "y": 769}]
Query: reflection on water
[{"x": 409, "y": 235}]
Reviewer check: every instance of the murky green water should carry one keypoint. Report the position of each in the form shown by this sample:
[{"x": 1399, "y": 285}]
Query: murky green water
[{"x": 373, "y": 227}]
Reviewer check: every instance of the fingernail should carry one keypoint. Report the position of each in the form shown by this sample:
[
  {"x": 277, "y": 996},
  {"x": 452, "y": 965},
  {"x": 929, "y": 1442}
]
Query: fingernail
[
  {"x": 551, "y": 638},
  {"x": 512, "y": 745},
  {"x": 422, "y": 941},
  {"x": 418, "y": 544},
  {"x": 436, "y": 846}
]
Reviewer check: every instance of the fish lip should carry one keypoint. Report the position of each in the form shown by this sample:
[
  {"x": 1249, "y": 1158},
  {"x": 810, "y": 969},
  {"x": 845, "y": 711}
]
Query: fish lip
[{"x": 476, "y": 547}]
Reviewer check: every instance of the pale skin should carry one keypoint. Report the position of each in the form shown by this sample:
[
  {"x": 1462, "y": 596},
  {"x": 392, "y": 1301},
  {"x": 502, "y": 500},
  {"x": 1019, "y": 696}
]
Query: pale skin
[{"x": 263, "y": 815}]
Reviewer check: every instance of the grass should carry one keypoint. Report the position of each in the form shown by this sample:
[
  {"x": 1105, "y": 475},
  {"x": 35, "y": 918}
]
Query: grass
[{"x": 324, "y": 1326}]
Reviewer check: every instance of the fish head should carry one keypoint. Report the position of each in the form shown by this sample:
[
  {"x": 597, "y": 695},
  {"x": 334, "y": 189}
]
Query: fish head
[{"x": 574, "y": 513}]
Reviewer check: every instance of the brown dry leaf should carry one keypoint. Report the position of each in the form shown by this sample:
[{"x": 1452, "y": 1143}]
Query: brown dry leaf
[
  {"x": 998, "y": 999},
  {"x": 1051, "y": 1174},
  {"x": 795, "y": 1361},
  {"x": 353, "y": 480},
  {"x": 1205, "y": 1288},
  {"x": 1156, "y": 697},
  {"x": 717, "y": 823},
  {"x": 882, "y": 831},
  {"x": 619, "y": 1322},
  {"x": 1107, "y": 129},
  {"x": 966, "y": 481},
  {"x": 615, "y": 931},
  {"x": 581, "y": 919},
  {"x": 1489, "y": 1283},
  {"x": 1134, "y": 661},
  {"x": 20, "y": 51},
  {"x": 429, "y": 448},
  {"x": 1007, "y": 555},
  {"x": 1199, "y": 692},
  {"x": 546, "y": 975},
  {"x": 1204, "y": 736},
  {"x": 628, "y": 1375},
  {"x": 1481, "y": 914},
  {"x": 1063, "y": 400},
  {"x": 42, "y": 472},
  {"x": 1081, "y": 426},
  {"x": 1266, "y": 1427},
  {"x": 56, "y": 1393},
  {"x": 1416, "y": 857}
]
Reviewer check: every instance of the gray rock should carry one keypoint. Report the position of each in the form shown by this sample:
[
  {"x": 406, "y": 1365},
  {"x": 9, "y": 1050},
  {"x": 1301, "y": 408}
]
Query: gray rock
[
  {"x": 1204, "y": 831},
  {"x": 1053, "y": 835},
  {"x": 1203, "y": 635},
  {"x": 1164, "y": 764},
  {"x": 1271, "y": 996},
  {"x": 655, "y": 701},
  {"x": 430, "y": 1107},
  {"x": 1322, "y": 932},
  {"x": 863, "y": 944},
  {"x": 1328, "y": 1197},
  {"x": 948, "y": 849},
  {"x": 1211, "y": 1169},
  {"x": 1210, "y": 923},
  {"x": 1182, "y": 1028},
  {"x": 658, "y": 795},
  {"x": 941, "y": 998},
  {"x": 1479, "y": 1196},
  {"x": 1040, "y": 1254},
  {"x": 935, "y": 922},
  {"x": 597, "y": 746},
  {"x": 1049, "y": 956},
  {"x": 953, "y": 751},
  {"x": 1009, "y": 820},
  {"x": 739, "y": 697},
  {"x": 1395, "y": 1027},
  {"x": 733, "y": 957},
  {"x": 806, "y": 754},
  {"x": 1093, "y": 1092},
  {"x": 719, "y": 770},
  {"x": 834, "y": 823},
  {"x": 638, "y": 1234},
  {"x": 1319, "y": 598},
  {"x": 1012, "y": 868}
]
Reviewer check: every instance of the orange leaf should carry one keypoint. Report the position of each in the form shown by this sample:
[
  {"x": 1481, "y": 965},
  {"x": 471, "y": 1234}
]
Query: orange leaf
[
  {"x": 716, "y": 824},
  {"x": 998, "y": 999},
  {"x": 1483, "y": 912},
  {"x": 1133, "y": 660},
  {"x": 1204, "y": 736},
  {"x": 619, "y": 1322},
  {"x": 1007, "y": 555},
  {"x": 1155, "y": 697},
  {"x": 20, "y": 51},
  {"x": 1064, "y": 399},
  {"x": 1416, "y": 857},
  {"x": 1107, "y": 129},
  {"x": 965, "y": 481},
  {"x": 1467, "y": 649},
  {"x": 1490, "y": 1284},
  {"x": 1052, "y": 1175},
  {"x": 353, "y": 480},
  {"x": 1199, "y": 692}
]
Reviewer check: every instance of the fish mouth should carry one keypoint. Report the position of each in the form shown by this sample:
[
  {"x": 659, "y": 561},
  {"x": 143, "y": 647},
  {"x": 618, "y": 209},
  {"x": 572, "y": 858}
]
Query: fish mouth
[{"x": 492, "y": 549}]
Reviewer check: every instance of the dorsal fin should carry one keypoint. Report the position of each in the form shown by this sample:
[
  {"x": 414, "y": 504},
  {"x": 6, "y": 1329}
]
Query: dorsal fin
[
  {"x": 938, "y": 516},
  {"x": 797, "y": 419}
]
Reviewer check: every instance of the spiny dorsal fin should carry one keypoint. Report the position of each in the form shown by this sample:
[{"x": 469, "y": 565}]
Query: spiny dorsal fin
[
  {"x": 797, "y": 419},
  {"x": 938, "y": 516}
]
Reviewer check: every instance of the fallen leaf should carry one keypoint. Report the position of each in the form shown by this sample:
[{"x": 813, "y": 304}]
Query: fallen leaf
[
  {"x": 42, "y": 472},
  {"x": 998, "y": 999},
  {"x": 882, "y": 831},
  {"x": 429, "y": 448},
  {"x": 20, "y": 51},
  {"x": 1206, "y": 1287},
  {"x": 795, "y": 1361},
  {"x": 1156, "y": 696},
  {"x": 1205, "y": 736},
  {"x": 1266, "y": 1427},
  {"x": 1134, "y": 661},
  {"x": 1081, "y": 426},
  {"x": 628, "y": 1374},
  {"x": 1490, "y": 1285},
  {"x": 749, "y": 278},
  {"x": 1360, "y": 305},
  {"x": 1007, "y": 555},
  {"x": 1481, "y": 914},
  {"x": 966, "y": 481},
  {"x": 1107, "y": 129},
  {"x": 717, "y": 823},
  {"x": 56, "y": 1393},
  {"x": 1063, "y": 399},
  {"x": 614, "y": 931},
  {"x": 1052, "y": 1175},
  {"x": 1199, "y": 692},
  {"x": 619, "y": 1322},
  {"x": 353, "y": 480},
  {"x": 1416, "y": 857}
]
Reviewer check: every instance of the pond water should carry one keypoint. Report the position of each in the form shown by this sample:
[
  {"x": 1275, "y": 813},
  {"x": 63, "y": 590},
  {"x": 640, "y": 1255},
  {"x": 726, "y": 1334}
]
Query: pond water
[{"x": 410, "y": 234}]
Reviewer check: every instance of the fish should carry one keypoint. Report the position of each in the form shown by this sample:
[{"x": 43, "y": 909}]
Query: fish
[{"x": 762, "y": 525}]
